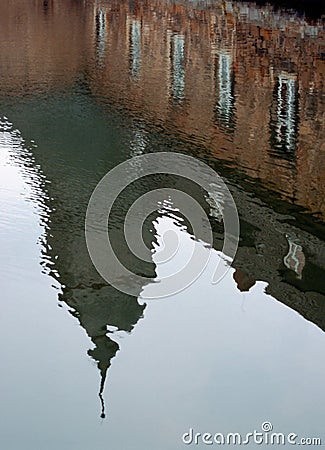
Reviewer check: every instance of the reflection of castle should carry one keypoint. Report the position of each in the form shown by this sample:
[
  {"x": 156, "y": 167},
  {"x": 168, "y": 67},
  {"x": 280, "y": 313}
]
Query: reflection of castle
[
  {"x": 100, "y": 309},
  {"x": 234, "y": 82}
]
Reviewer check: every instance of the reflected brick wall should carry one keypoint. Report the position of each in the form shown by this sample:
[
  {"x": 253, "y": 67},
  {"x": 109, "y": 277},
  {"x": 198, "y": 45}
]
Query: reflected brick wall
[
  {"x": 245, "y": 82},
  {"x": 257, "y": 49}
]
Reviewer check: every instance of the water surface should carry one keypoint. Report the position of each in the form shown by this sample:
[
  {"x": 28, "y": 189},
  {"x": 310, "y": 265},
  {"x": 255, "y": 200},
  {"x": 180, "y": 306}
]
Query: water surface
[{"x": 87, "y": 85}]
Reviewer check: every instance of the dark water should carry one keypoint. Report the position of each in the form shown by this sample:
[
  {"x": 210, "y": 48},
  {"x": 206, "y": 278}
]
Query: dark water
[{"x": 87, "y": 85}]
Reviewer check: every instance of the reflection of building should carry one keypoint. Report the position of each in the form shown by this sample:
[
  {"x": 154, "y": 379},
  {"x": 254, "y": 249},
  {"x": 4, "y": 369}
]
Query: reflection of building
[
  {"x": 228, "y": 67},
  {"x": 226, "y": 72},
  {"x": 161, "y": 47},
  {"x": 71, "y": 176},
  {"x": 245, "y": 68},
  {"x": 268, "y": 242}
]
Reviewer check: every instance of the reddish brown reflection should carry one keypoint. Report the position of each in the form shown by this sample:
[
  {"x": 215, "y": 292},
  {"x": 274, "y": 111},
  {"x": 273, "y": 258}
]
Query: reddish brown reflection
[{"x": 246, "y": 82}]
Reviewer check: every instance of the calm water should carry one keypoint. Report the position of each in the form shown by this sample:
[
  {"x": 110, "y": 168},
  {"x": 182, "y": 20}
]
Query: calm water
[{"x": 85, "y": 85}]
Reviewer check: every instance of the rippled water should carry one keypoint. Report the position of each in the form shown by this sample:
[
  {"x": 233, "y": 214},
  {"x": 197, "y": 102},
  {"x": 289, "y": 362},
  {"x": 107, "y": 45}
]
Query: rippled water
[{"x": 87, "y": 85}]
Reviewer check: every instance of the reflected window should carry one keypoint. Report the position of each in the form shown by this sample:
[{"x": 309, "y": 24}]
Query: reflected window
[
  {"x": 138, "y": 143},
  {"x": 215, "y": 200},
  {"x": 225, "y": 92},
  {"x": 295, "y": 259},
  {"x": 101, "y": 33},
  {"x": 135, "y": 47},
  {"x": 178, "y": 67},
  {"x": 284, "y": 116},
  {"x": 45, "y": 6}
]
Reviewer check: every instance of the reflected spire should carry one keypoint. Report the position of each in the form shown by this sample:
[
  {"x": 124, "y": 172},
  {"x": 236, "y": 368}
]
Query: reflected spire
[
  {"x": 101, "y": 390},
  {"x": 104, "y": 351}
]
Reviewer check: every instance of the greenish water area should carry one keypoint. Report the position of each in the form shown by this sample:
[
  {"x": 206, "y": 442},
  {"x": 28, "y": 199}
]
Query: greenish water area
[{"x": 85, "y": 86}]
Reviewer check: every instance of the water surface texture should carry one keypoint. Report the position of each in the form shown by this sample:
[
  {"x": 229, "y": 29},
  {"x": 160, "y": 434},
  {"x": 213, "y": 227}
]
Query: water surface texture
[{"x": 85, "y": 85}]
